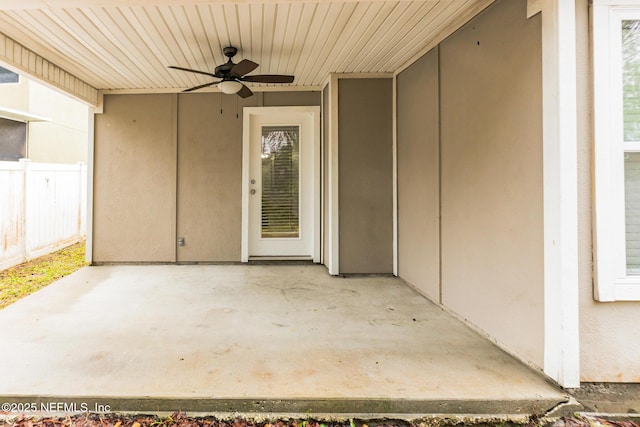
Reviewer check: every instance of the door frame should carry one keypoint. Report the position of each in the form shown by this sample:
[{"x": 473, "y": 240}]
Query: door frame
[{"x": 248, "y": 114}]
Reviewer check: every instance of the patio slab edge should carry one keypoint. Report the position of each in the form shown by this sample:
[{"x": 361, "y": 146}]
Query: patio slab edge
[{"x": 309, "y": 407}]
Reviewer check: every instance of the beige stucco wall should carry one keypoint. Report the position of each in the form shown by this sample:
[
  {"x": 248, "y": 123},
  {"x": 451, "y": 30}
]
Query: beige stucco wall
[
  {"x": 365, "y": 168},
  {"x": 134, "y": 213},
  {"x": 189, "y": 180},
  {"x": 283, "y": 99},
  {"x": 609, "y": 332},
  {"x": 209, "y": 178},
  {"x": 490, "y": 171},
  {"x": 491, "y": 151},
  {"x": 418, "y": 175}
]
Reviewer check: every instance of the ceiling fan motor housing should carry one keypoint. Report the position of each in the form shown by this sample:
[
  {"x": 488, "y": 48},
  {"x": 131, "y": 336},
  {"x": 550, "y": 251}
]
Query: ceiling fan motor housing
[{"x": 222, "y": 70}]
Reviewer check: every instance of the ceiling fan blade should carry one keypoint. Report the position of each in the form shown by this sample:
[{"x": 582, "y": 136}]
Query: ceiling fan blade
[
  {"x": 243, "y": 67},
  {"x": 268, "y": 78},
  {"x": 245, "y": 92},
  {"x": 192, "y": 71},
  {"x": 200, "y": 87}
]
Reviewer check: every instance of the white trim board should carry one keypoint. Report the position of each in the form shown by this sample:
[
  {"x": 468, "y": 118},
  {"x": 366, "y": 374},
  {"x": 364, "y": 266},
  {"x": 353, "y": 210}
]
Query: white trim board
[
  {"x": 559, "y": 123},
  {"x": 394, "y": 157},
  {"x": 333, "y": 263},
  {"x": 21, "y": 116}
]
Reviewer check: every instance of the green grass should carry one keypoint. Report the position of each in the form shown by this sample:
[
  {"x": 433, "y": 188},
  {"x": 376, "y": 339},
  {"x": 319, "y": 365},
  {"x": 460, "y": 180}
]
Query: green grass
[{"x": 19, "y": 281}]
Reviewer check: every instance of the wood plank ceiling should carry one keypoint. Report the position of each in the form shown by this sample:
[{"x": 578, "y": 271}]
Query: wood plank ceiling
[{"x": 127, "y": 45}]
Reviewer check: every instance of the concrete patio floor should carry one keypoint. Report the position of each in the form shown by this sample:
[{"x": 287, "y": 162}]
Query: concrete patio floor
[{"x": 231, "y": 338}]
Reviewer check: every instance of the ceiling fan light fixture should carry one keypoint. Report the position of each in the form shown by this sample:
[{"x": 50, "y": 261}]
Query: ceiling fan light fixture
[{"x": 230, "y": 86}]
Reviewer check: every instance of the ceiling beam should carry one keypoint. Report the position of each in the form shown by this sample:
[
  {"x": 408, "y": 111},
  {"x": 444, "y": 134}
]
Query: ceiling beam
[
  {"x": 254, "y": 89},
  {"x": 26, "y": 62}
]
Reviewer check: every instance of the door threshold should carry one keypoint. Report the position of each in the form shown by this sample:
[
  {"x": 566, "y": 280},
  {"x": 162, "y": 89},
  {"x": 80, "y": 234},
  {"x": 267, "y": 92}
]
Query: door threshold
[{"x": 280, "y": 260}]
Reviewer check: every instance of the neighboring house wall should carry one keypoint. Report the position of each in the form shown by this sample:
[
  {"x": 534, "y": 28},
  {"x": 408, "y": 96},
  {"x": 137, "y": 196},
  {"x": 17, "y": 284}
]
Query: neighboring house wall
[
  {"x": 609, "y": 332},
  {"x": 146, "y": 147},
  {"x": 43, "y": 204},
  {"x": 491, "y": 176},
  {"x": 63, "y": 137},
  {"x": 365, "y": 169},
  {"x": 15, "y": 96}
]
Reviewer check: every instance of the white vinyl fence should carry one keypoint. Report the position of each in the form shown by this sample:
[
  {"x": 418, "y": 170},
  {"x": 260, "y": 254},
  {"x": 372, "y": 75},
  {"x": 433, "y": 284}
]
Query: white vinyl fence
[{"x": 42, "y": 209}]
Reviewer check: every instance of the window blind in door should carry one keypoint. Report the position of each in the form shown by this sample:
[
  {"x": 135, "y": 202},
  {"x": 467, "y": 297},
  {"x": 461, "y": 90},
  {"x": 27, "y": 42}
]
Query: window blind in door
[{"x": 280, "y": 182}]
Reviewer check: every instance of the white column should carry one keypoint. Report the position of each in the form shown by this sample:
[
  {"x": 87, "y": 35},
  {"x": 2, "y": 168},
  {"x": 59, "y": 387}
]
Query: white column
[
  {"x": 90, "y": 168},
  {"x": 561, "y": 343},
  {"x": 333, "y": 263}
]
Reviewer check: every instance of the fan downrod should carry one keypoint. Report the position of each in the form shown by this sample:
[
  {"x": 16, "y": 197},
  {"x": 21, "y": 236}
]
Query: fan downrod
[
  {"x": 229, "y": 52},
  {"x": 222, "y": 70}
]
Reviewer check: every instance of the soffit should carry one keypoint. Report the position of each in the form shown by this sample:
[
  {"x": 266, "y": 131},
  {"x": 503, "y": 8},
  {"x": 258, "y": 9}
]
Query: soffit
[{"x": 127, "y": 45}]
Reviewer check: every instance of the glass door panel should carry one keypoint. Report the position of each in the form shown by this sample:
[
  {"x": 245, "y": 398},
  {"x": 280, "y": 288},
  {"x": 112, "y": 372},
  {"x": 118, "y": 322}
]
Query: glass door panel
[{"x": 280, "y": 182}]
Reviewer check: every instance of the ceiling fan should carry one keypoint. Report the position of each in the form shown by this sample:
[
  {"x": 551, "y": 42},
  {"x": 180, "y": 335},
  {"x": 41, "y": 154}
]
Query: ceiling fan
[{"x": 233, "y": 75}]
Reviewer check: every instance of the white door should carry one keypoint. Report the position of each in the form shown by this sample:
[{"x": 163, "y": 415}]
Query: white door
[{"x": 281, "y": 183}]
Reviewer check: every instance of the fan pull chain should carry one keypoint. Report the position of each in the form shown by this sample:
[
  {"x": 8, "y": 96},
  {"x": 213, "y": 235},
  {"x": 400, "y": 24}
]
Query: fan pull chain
[
  {"x": 220, "y": 102},
  {"x": 237, "y": 107}
]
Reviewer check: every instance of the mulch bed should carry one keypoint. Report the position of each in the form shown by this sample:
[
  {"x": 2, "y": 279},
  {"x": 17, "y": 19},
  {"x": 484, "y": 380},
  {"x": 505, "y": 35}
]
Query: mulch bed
[{"x": 181, "y": 420}]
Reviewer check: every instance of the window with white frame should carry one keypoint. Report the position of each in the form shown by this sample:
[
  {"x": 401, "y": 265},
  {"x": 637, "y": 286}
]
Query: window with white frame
[{"x": 616, "y": 66}]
